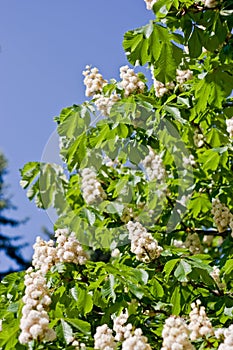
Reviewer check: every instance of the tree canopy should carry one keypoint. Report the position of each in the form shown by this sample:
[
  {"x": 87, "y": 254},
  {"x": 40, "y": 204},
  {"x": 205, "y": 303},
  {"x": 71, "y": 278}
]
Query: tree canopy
[{"x": 142, "y": 255}]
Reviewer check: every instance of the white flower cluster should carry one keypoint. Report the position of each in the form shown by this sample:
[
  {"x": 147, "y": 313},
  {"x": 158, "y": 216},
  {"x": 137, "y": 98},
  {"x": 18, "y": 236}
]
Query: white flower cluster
[
  {"x": 122, "y": 331},
  {"x": 193, "y": 243},
  {"x": 222, "y": 215},
  {"x": 68, "y": 248},
  {"x": 78, "y": 346},
  {"x": 104, "y": 339},
  {"x": 227, "y": 333},
  {"x": 229, "y": 123},
  {"x": 150, "y": 3},
  {"x": 178, "y": 243},
  {"x": 93, "y": 81},
  {"x": 198, "y": 138},
  {"x": 130, "y": 81},
  {"x": 210, "y": 3},
  {"x": 45, "y": 255},
  {"x": 190, "y": 160},
  {"x": 154, "y": 166},
  {"x": 176, "y": 335},
  {"x": 200, "y": 324},
  {"x": 143, "y": 245},
  {"x": 34, "y": 323},
  {"x": 136, "y": 341},
  {"x": 91, "y": 187},
  {"x": 160, "y": 88},
  {"x": 104, "y": 103},
  {"x": 215, "y": 274},
  {"x": 183, "y": 75}
]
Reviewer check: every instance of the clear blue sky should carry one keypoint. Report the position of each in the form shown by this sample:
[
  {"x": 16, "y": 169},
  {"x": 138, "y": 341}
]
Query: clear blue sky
[{"x": 45, "y": 46}]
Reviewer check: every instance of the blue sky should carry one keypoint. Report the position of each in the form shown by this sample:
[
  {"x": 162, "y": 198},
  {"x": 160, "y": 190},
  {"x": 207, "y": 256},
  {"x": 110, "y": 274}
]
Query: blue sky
[{"x": 45, "y": 46}]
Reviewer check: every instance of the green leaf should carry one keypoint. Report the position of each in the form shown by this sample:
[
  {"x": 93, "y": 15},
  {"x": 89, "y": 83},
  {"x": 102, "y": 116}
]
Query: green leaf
[
  {"x": 67, "y": 331},
  {"x": 169, "y": 267},
  {"x": 199, "y": 203},
  {"x": 196, "y": 41},
  {"x": 156, "y": 288},
  {"x": 82, "y": 326},
  {"x": 175, "y": 300},
  {"x": 83, "y": 299},
  {"x": 182, "y": 270}
]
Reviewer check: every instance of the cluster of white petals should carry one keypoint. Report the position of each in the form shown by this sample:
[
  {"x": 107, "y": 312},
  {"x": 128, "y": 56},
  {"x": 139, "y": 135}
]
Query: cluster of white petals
[
  {"x": 193, "y": 243},
  {"x": 45, "y": 255},
  {"x": 200, "y": 324},
  {"x": 115, "y": 253},
  {"x": 104, "y": 103},
  {"x": 227, "y": 333},
  {"x": 176, "y": 335},
  {"x": 78, "y": 346},
  {"x": 198, "y": 138},
  {"x": 143, "y": 245},
  {"x": 34, "y": 323},
  {"x": 130, "y": 81},
  {"x": 136, "y": 341},
  {"x": 93, "y": 81},
  {"x": 221, "y": 214},
  {"x": 150, "y": 3},
  {"x": 104, "y": 340},
  {"x": 91, "y": 187},
  {"x": 229, "y": 123},
  {"x": 161, "y": 88},
  {"x": 183, "y": 75},
  {"x": 154, "y": 167},
  {"x": 190, "y": 160},
  {"x": 215, "y": 274},
  {"x": 210, "y": 3},
  {"x": 122, "y": 330},
  {"x": 178, "y": 243},
  {"x": 68, "y": 248}
]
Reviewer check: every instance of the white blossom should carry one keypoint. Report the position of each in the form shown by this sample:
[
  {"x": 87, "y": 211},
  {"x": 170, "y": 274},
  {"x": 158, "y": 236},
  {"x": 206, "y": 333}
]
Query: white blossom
[
  {"x": 189, "y": 160},
  {"x": 150, "y": 3},
  {"x": 176, "y": 334},
  {"x": 229, "y": 123},
  {"x": 193, "y": 243},
  {"x": 115, "y": 253},
  {"x": 136, "y": 341},
  {"x": 200, "y": 325},
  {"x": 122, "y": 330},
  {"x": 44, "y": 256},
  {"x": 183, "y": 75},
  {"x": 143, "y": 245},
  {"x": 161, "y": 88},
  {"x": 104, "y": 339},
  {"x": 34, "y": 323},
  {"x": 154, "y": 167},
  {"x": 221, "y": 215},
  {"x": 91, "y": 187},
  {"x": 130, "y": 81},
  {"x": 93, "y": 81},
  {"x": 210, "y": 3},
  {"x": 105, "y": 103},
  {"x": 198, "y": 138},
  {"x": 69, "y": 248}
]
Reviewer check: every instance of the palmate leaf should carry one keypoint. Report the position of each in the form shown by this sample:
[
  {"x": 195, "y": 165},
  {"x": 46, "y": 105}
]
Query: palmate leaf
[{"x": 154, "y": 44}]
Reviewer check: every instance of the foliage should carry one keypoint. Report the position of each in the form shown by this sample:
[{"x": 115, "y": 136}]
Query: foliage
[{"x": 183, "y": 202}]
